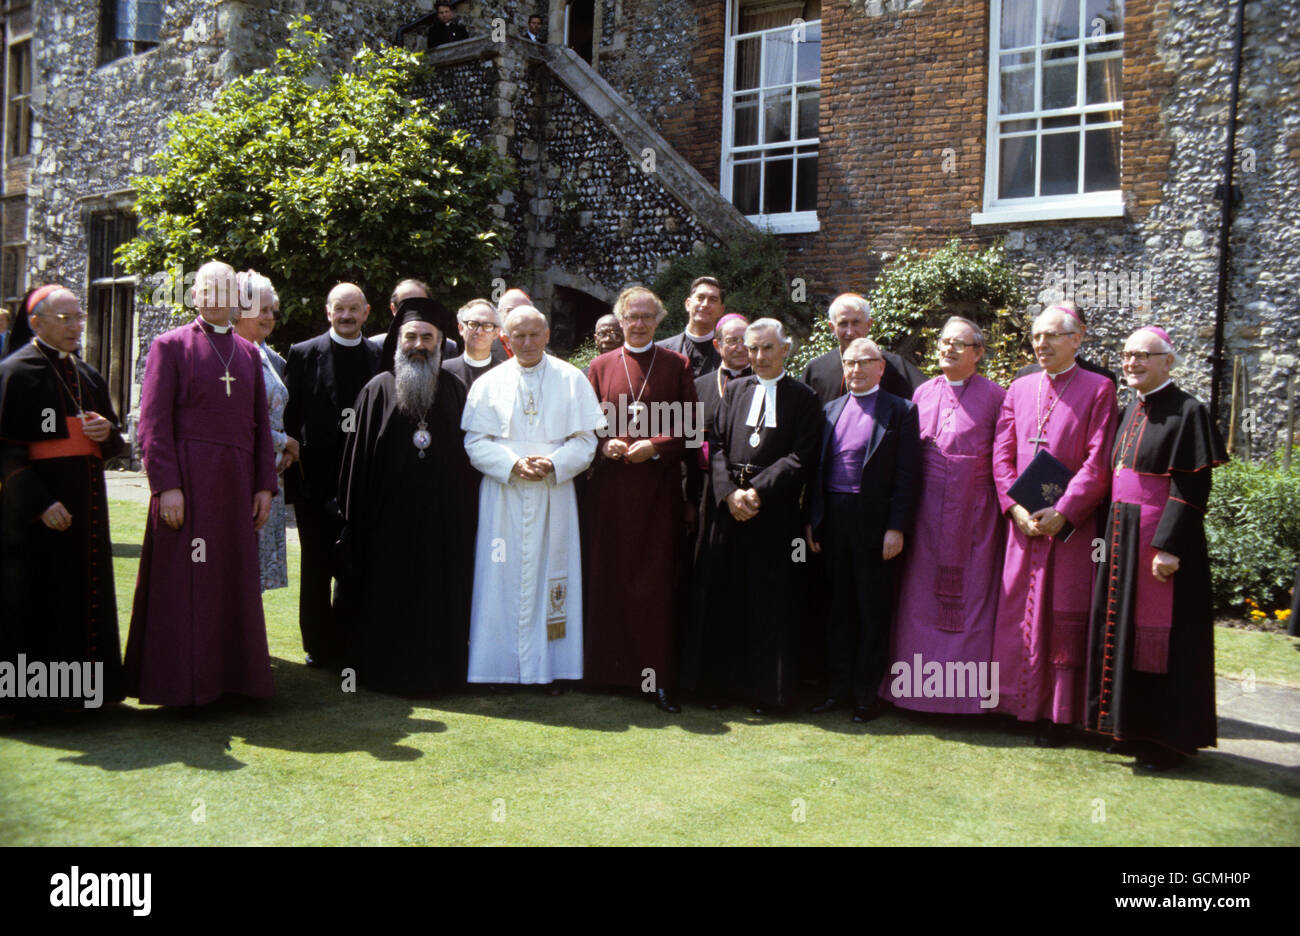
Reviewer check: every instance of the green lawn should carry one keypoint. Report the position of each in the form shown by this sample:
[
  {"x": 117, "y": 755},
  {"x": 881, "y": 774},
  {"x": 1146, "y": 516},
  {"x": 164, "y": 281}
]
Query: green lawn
[{"x": 319, "y": 766}]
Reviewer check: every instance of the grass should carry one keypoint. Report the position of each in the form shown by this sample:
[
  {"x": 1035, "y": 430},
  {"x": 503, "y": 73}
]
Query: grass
[{"x": 319, "y": 766}]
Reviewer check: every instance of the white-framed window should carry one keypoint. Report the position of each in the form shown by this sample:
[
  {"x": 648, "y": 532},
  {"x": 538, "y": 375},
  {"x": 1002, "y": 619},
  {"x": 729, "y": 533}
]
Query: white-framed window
[
  {"x": 1055, "y": 110},
  {"x": 771, "y": 111}
]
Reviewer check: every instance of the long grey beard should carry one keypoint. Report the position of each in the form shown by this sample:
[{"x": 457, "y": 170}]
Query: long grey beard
[{"x": 416, "y": 382}]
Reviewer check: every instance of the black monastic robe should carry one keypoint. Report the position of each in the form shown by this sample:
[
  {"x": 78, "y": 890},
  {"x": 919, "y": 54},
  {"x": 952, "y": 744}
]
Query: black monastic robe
[
  {"x": 743, "y": 633},
  {"x": 710, "y": 388},
  {"x": 57, "y": 601},
  {"x": 408, "y": 542},
  {"x": 1151, "y": 646},
  {"x": 702, "y": 353}
]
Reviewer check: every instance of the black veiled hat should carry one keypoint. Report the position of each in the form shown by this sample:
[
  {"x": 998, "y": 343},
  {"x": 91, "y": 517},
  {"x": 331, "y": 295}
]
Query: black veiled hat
[{"x": 416, "y": 309}]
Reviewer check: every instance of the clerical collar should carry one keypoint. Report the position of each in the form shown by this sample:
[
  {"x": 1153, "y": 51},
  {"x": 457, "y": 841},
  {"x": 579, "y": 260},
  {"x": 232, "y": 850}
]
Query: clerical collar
[
  {"x": 477, "y": 363},
  {"x": 1144, "y": 396},
  {"x": 735, "y": 371},
  {"x": 1073, "y": 365},
  {"x": 955, "y": 383},
  {"x": 700, "y": 339},
  {"x": 865, "y": 392},
  {"x": 773, "y": 382},
  {"x": 346, "y": 342},
  {"x": 61, "y": 354},
  {"x": 219, "y": 329},
  {"x": 640, "y": 350},
  {"x": 535, "y": 368},
  {"x": 764, "y": 401}
]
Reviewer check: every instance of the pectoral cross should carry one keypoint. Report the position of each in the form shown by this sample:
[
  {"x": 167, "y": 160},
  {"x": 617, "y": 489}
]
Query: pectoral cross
[
  {"x": 1037, "y": 441},
  {"x": 530, "y": 408},
  {"x": 228, "y": 380}
]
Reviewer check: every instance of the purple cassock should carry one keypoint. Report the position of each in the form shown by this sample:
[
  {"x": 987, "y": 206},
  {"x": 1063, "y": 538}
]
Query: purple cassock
[
  {"x": 949, "y": 592},
  {"x": 1040, "y": 642},
  {"x": 197, "y": 630}
]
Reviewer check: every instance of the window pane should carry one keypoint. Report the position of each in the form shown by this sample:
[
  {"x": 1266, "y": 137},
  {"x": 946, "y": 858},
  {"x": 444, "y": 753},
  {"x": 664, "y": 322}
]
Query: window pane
[
  {"x": 1017, "y": 23},
  {"x": 778, "y": 67},
  {"x": 1103, "y": 17},
  {"x": 747, "y": 63},
  {"x": 808, "y": 100},
  {"x": 776, "y": 185},
  {"x": 810, "y": 54},
  {"x": 1104, "y": 71},
  {"x": 1060, "y": 20},
  {"x": 1060, "y": 164},
  {"x": 1018, "y": 126},
  {"x": 744, "y": 188},
  {"x": 1056, "y": 123},
  {"x": 776, "y": 116},
  {"x": 1060, "y": 78},
  {"x": 805, "y": 193},
  {"x": 1017, "y": 168},
  {"x": 1101, "y": 165},
  {"x": 745, "y": 132},
  {"x": 1017, "y": 81},
  {"x": 1097, "y": 117}
]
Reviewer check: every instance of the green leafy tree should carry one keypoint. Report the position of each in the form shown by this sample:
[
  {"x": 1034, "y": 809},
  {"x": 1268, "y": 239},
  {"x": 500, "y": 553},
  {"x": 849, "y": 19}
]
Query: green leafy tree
[{"x": 313, "y": 179}]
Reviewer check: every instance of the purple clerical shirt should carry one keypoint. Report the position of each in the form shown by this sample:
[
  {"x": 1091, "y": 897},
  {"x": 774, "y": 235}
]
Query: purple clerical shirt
[{"x": 849, "y": 447}]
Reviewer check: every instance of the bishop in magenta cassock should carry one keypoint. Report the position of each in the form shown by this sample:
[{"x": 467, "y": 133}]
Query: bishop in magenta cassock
[
  {"x": 948, "y": 598},
  {"x": 633, "y": 511},
  {"x": 197, "y": 630},
  {"x": 1040, "y": 638},
  {"x": 1151, "y": 649},
  {"x": 57, "y": 426}
]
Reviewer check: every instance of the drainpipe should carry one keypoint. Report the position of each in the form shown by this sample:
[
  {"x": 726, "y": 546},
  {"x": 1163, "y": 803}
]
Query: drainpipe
[{"x": 1228, "y": 195}]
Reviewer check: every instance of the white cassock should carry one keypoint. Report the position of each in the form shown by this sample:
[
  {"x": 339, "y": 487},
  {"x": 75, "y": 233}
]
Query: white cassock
[{"x": 526, "y": 618}]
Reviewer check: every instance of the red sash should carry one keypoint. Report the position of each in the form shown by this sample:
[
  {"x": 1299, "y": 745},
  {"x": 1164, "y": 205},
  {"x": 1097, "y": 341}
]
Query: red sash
[
  {"x": 77, "y": 443},
  {"x": 1154, "y": 608}
]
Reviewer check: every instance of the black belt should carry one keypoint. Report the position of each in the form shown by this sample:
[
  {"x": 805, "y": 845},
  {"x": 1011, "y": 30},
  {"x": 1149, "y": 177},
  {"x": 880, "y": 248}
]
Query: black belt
[{"x": 740, "y": 473}]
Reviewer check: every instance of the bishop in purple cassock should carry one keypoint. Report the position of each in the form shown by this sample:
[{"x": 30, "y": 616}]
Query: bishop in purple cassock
[
  {"x": 197, "y": 629},
  {"x": 949, "y": 592},
  {"x": 1040, "y": 639}
]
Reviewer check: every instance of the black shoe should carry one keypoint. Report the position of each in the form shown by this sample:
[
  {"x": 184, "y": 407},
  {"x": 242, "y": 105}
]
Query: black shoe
[
  {"x": 865, "y": 713},
  {"x": 1051, "y": 735},
  {"x": 717, "y": 705},
  {"x": 1122, "y": 748},
  {"x": 760, "y": 710},
  {"x": 1156, "y": 757},
  {"x": 830, "y": 704},
  {"x": 664, "y": 702}
]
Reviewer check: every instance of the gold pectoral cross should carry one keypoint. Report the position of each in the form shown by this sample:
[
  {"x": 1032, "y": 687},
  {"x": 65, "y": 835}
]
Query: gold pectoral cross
[
  {"x": 530, "y": 408},
  {"x": 228, "y": 380}
]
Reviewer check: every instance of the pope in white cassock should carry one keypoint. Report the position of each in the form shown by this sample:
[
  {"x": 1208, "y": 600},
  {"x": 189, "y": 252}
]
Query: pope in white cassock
[{"x": 530, "y": 429}]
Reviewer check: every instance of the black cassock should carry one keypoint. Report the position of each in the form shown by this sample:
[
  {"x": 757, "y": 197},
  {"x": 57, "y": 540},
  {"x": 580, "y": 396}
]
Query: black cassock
[
  {"x": 408, "y": 542},
  {"x": 57, "y": 601},
  {"x": 742, "y": 636},
  {"x": 1151, "y": 646},
  {"x": 710, "y": 389},
  {"x": 825, "y": 374}
]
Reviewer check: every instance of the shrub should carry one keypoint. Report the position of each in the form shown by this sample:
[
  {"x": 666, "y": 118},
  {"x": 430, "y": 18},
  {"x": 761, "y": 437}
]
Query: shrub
[
  {"x": 1253, "y": 528},
  {"x": 752, "y": 273}
]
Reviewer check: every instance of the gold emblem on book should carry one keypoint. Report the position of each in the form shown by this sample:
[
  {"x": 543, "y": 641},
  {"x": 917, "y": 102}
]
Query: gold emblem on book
[{"x": 1052, "y": 492}]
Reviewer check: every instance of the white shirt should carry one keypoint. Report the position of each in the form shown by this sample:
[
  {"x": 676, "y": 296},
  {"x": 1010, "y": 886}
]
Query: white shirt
[
  {"x": 766, "y": 391},
  {"x": 346, "y": 342}
]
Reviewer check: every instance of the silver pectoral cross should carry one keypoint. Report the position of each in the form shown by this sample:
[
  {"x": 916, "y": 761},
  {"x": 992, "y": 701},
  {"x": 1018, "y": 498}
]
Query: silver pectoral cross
[
  {"x": 228, "y": 381},
  {"x": 1037, "y": 442}
]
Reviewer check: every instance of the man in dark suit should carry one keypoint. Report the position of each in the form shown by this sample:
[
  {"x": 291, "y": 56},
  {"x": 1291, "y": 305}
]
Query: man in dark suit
[
  {"x": 324, "y": 376},
  {"x": 448, "y": 27},
  {"x": 850, "y": 319},
  {"x": 859, "y": 509},
  {"x": 704, "y": 306},
  {"x": 1081, "y": 325},
  {"x": 479, "y": 327}
]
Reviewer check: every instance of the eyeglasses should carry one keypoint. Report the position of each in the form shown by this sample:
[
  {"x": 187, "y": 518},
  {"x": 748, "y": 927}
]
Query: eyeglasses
[
  {"x": 733, "y": 341},
  {"x": 1049, "y": 336},
  {"x": 67, "y": 318},
  {"x": 854, "y": 362},
  {"x": 480, "y": 326},
  {"x": 957, "y": 344},
  {"x": 1139, "y": 357},
  {"x": 649, "y": 317}
]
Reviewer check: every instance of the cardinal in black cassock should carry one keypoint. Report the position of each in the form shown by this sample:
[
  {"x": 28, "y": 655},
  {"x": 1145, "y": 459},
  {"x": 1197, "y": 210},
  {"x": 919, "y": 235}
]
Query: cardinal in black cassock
[
  {"x": 742, "y": 636},
  {"x": 57, "y": 600},
  {"x": 1151, "y": 648},
  {"x": 406, "y": 491}
]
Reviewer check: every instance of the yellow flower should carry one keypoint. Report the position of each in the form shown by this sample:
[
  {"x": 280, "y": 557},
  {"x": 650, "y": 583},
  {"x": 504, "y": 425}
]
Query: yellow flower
[
  {"x": 1283, "y": 614},
  {"x": 1257, "y": 615}
]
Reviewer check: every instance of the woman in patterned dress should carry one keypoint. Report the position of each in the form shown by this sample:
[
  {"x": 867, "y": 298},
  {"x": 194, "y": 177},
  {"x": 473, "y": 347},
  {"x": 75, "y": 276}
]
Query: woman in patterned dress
[{"x": 256, "y": 326}]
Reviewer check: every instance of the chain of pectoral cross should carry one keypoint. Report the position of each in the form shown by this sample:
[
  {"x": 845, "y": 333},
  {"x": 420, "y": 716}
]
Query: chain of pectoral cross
[
  {"x": 1039, "y": 415},
  {"x": 227, "y": 379}
]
